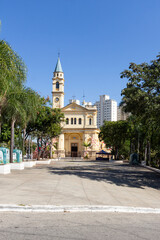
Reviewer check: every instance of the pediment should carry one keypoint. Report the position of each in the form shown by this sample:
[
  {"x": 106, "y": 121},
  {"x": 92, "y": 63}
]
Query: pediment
[{"x": 73, "y": 107}]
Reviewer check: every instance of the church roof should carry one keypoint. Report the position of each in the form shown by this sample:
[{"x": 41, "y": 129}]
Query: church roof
[
  {"x": 58, "y": 67},
  {"x": 76, "y": 107}
]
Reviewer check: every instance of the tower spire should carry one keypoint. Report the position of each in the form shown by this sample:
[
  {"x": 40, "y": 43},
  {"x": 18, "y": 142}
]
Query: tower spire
[
  {"x": 58, "y": 86},
  {"x": 58, "y": 67}
]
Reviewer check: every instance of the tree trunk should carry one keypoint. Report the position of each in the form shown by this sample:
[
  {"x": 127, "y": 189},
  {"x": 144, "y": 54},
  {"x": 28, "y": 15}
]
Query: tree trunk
[
  {"x": 31, "y": 149},
  {"x": 40, "y": 153},
  {"x": 12, "y": 140},
  {"x": 43, "y": 155},
  {"x": 130, "y": 147},
  {"x": 145, "y": 154},
  {"x": 51, "y": 150},
  {"x": 38, "y": 148},
  {"x": 149, "y": 153},
  {"x": 138, "y": 144},
  {"x": 115, "y": 151},
  {"x": 23, "y": 147},
  {"x": 0, "y": 121},
  {"x": 117, "y": 154}
]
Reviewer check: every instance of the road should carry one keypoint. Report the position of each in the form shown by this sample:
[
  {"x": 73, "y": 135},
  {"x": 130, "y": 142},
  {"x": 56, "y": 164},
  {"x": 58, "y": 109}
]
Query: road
[{"x": 79, "y": 226}]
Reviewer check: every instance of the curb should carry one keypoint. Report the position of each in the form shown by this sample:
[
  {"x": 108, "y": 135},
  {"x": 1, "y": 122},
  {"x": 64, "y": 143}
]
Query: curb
[
  {"x": 151, "y": 168},
  {"x": 78, "y": 208},
  {"x": 39, "y": 162}
]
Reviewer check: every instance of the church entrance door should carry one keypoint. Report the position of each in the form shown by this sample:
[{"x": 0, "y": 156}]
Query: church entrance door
[{"x": 74, "y": 150}]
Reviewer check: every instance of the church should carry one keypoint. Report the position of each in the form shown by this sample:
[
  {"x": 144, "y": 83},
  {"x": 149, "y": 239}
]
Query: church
[{"x": 80, "y": 125}]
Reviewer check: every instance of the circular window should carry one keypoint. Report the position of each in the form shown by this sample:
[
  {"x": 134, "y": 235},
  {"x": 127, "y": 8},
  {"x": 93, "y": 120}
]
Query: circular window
[{"x": 57, "y": 99}]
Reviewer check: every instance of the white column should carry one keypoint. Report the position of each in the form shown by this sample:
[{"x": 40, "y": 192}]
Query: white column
[
  {"x": 85, "y": 120},
  {"x": 61, "y": 142},
  {"x": 94, "y": 119}
]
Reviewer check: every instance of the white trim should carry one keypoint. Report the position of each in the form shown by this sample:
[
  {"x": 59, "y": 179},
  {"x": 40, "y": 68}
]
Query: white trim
[
  {"x": 5, "y": 169},
  {"x": 78, "y": 208},
  {"x": 17, "y": 166}
]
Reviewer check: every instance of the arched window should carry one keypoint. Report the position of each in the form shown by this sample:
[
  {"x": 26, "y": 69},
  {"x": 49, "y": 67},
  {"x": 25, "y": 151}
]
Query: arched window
[
  {"x": 90, "y": 121},
  {"x": 57, "y": 85},
  {"x": 67, "y": 120},
  {"x": 80, "y": 121},
  {"x": 75, "y": 120},
  {"x": 71, "y": 120}
]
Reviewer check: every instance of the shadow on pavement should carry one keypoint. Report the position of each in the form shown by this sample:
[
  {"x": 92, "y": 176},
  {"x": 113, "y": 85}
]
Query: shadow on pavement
[{"x": 119, "y": 174}]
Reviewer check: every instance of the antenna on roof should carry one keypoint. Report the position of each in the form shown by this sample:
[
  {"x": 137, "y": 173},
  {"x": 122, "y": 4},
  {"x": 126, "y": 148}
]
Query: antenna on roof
[
  {"x": 83, "y": 95},
  {"x": 83, "y": 98}
]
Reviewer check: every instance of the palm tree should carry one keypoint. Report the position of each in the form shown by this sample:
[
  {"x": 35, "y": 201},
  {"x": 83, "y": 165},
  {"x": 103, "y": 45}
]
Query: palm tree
[
  {"x": 14, "y": 112},
  {"x": 12, "y": 77},
  {"x": 86, "y": 145},
  {"x": 12, "y": 72}
]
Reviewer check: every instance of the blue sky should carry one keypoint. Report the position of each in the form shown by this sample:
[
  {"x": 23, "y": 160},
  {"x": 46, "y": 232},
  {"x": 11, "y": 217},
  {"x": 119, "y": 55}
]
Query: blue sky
[{"x": 97, "y": 40}]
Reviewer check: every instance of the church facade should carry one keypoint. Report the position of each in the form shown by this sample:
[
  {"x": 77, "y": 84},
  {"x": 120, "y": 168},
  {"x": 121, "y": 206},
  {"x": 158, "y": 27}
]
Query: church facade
[{"x": 79, "y": 136}]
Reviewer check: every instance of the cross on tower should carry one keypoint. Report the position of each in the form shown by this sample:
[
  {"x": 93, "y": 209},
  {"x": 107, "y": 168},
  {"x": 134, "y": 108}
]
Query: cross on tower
[{"x": 83, "y": 95}]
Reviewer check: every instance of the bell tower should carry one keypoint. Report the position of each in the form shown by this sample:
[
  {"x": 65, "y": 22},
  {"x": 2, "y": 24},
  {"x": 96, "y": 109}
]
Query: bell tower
[{"x": 58, "y": 86}]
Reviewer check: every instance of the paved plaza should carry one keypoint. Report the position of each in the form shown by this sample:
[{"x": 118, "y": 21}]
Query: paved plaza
[{"x": 79, "y": 182}]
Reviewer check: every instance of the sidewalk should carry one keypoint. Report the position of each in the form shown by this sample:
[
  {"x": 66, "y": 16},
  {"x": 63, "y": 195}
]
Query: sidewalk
[{"x": 82, "y": 183}]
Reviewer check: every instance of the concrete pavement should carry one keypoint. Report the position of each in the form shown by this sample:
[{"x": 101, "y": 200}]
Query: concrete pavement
[{"x": 79, "y": 182}]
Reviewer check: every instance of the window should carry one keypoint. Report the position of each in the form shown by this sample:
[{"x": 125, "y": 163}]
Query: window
[
  {"x": 71, "y": 120},
  {"x": 90, "y": 121},
  {"x": 57, "y": 85},
  {"x": 57, "y": 74},
  {"x": 80, "y": 121},
  {"x": 67, "y": 120},
  {"x": 75, "y": 120}
]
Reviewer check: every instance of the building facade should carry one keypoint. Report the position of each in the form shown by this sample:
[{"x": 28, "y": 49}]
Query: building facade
[
  {"x": 121, "y": 115},
  {"x": 106, "y": 110},
  {"x": 80, "y": 124}
]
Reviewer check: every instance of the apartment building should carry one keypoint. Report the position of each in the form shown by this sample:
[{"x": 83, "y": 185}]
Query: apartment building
[{"x": 106, "y": 110}]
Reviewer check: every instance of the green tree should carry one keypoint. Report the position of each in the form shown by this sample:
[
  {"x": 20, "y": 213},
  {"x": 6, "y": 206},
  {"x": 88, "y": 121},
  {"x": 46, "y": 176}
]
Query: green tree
[
  {"x": 31, "y": 102},
  {"x": 141, "y": 97},
  {"x": 14, "y": 112},
  {"x": 5, "y": 134},
  {"x": 46, "y": 126},
  {"x": 114, "y": 134},
  {"x": 12, "y": 73},
  {"x": 86, "y": 144},
  {"x": 21, "y": 107}
]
